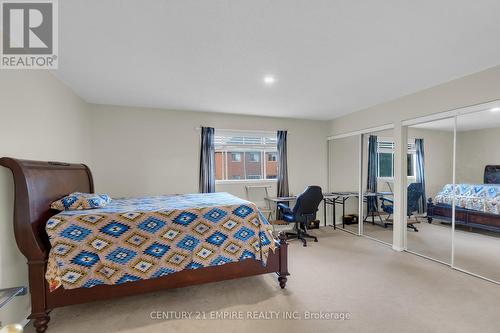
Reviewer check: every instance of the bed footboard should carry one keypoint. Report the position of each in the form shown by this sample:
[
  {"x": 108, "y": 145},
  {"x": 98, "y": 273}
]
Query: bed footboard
[{"x": 463, "y": 217}]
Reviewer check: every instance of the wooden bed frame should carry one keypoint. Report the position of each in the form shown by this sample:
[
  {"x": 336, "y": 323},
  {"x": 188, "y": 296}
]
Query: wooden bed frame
[
  {"x": 37, "y": 185},
  {"x": 468, "y": 217}
]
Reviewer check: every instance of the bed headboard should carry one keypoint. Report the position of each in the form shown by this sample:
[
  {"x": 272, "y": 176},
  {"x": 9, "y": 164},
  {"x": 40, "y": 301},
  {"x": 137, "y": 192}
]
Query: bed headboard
[
  {"x": 37, "y": 185},
  {"x": 492, "y": 174}
]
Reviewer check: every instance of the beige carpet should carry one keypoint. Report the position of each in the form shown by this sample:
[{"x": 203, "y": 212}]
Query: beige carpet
[
  {"x": 475, "y": 251},
  {"x": 383, "y": 290}
]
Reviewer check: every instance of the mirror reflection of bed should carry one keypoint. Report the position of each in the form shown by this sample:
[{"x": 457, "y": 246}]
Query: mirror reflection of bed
[
  {"x": 477, "y": 218},
  {"x": 476, "y": 193},
  {"x": 475, "y": 242}
]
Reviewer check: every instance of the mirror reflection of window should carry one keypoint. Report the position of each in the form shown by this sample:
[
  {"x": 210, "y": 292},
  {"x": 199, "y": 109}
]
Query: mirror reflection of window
[
  {"x": 377, "y": 177},
  {"x": 430, "y": 170}
]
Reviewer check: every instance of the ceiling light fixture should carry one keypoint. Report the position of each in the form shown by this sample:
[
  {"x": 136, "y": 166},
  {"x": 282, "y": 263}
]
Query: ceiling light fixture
[
  {"x": 269, "y": 80},
  {"x": 495, "y": 109}
]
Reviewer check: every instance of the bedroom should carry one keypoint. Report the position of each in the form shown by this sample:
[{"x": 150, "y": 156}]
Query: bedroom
[{"x": 135, "y": 118}]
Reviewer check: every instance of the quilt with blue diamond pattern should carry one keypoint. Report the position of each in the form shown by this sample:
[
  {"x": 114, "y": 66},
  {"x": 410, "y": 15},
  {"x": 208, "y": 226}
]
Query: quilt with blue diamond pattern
[
  {"x": 149, "y": 237},
  {"x": 480, "y": 197}
]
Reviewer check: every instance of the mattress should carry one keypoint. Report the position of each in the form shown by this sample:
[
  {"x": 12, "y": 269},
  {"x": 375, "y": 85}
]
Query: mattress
[
  {"x": 150, "y": 237},
  {"x": 479, "y": 197}
]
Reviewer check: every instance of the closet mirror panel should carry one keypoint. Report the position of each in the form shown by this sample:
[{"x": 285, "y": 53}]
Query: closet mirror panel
[
  {"x": 344, "y": 161},
  {"x": 378, "y": 183},
  {"x": 477, "y": 193},
  {"x": 430, "y": 180}
]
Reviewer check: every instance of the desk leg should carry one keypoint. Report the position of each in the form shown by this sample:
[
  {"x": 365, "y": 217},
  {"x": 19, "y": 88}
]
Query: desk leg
[
  {"x": 324, "y": 210},
  {"x": 334, "y": 213},
  {"x": 343, "y": 212}
]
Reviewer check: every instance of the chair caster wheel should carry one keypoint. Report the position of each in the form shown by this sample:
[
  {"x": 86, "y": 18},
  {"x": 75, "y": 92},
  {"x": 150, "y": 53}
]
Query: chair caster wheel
[{"x": 304, "y": 245}]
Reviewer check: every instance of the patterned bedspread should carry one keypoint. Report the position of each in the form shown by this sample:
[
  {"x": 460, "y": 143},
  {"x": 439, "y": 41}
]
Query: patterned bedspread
[
  {"x": 149, "y": 237},
  {"x": 483, "y": 198}
]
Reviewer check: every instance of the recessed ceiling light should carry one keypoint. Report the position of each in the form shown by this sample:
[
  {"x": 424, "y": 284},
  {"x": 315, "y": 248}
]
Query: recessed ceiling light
[
  {"x": 495, "y": 109},
  {"x": 269, "y": 80}
]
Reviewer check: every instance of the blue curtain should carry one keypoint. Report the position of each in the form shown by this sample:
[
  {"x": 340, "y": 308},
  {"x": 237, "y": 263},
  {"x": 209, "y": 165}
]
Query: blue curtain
[
  {"x": 372, "y": 202},
  {"x": 283, "y": 190},
  {"x": 420, "y": 173},
  {"x": 207, "y": 160}
]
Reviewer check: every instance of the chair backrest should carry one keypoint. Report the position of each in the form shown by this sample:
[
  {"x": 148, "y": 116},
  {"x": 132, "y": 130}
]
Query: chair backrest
[
  {"x": 308, "y": 201},
  {"x": 415, "y": 192}
]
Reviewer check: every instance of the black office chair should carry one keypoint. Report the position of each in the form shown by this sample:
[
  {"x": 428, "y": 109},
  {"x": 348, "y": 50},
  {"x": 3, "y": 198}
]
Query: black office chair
[
  {"x": 415, "y": 192},
  {"x": 303, "y": 212}
]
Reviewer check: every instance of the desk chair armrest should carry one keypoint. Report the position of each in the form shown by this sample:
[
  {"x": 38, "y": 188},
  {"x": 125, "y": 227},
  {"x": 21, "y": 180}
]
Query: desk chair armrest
[{"x": 284, "y": 208}]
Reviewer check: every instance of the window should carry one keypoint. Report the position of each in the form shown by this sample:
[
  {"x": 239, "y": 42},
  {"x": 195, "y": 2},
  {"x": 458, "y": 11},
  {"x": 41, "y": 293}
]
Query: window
[
  {"x": 385, "y": 151},
  {"x": 243, "y": 155},
  {"x": 411, "y": 165},
  {"x": 253, "y": 157},
  {"x": 385, "y": 165},
  {"x": 235, "y": 157}
]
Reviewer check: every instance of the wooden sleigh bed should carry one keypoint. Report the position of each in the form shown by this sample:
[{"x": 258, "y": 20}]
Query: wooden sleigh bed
[
  {"x": 468, "y": 217},
  {"x": 37, "y": 185}
]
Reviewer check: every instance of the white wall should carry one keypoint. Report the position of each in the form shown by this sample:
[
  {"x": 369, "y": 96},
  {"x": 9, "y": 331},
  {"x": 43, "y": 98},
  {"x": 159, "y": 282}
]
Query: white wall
[
  {"x": 344, "y": 172},
  {"x": 42, "y": 119},
  {"x": 438, "y": 147},
  {"x": 139, "y": 151},
  {"x": 475, "y": 150}
]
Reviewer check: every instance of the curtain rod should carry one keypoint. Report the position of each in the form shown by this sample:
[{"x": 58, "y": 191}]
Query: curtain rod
[{"x": 243, "y": 130}]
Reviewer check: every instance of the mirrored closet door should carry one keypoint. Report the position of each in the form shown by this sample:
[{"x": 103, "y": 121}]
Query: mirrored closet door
[
  {"x": 378, "y": 184},
  {"x": 430, "y": 189},
  {"x": 477, "y": 193},
  {"x": 344, "y": 180}
]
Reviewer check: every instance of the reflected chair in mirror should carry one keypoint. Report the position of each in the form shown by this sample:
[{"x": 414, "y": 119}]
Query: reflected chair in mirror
[
  {"x": 415, "y": 192},
  {"x": 303, "y": 213}
]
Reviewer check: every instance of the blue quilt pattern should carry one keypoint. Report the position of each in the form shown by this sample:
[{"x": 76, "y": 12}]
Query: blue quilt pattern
[
  {"x": 150, "y": 237},
  {"x": 480, "y": 197}
]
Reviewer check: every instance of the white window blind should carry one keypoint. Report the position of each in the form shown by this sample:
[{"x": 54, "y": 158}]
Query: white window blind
[
  {"x": 386, "y": 145},
  {"x": 245, "y": 140}
]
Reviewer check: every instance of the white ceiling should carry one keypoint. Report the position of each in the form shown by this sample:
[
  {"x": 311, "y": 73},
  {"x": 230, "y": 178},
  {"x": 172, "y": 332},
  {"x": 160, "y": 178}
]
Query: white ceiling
[{"x": 329, "y": 57}]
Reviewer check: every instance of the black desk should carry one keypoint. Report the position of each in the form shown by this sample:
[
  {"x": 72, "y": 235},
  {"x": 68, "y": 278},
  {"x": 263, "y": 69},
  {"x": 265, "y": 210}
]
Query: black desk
[{"x": 340, "y": 198}]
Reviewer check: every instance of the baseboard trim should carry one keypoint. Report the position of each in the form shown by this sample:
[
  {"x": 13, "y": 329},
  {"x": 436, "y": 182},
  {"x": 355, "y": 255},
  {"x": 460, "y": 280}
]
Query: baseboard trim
[
  {"x": 398, "y": 248},
  {"x": 25, "y": 321}
]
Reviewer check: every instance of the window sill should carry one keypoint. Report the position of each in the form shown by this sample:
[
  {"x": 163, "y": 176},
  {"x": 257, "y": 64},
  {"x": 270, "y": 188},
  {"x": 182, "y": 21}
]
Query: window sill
[
  {"x": 391, "y": 179},
  {"x": 245, "y": 181}
]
